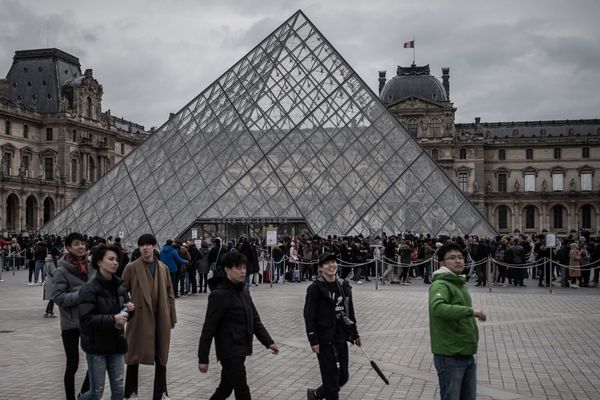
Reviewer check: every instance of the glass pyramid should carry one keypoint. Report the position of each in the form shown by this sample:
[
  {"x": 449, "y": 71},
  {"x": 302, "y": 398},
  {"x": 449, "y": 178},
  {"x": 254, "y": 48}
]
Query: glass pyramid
[{"x": 290, "y": 131}]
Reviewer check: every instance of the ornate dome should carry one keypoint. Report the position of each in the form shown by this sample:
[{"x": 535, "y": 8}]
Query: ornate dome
[{"x": 413, "y": 81}]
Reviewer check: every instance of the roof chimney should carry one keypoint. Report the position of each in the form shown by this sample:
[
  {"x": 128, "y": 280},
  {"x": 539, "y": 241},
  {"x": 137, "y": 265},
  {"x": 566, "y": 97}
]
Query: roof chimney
[
  {"x": 446, "y": 80},
  {"x": 381, "y": 80}
]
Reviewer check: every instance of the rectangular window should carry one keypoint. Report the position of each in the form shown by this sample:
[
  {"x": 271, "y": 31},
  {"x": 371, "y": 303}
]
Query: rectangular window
[
  {"x": 122, "y": 148},
  {"x": 586, "y": 181},
  {"x": 463, "y": 181},
  {"x": 49, "y": 168},
  {"x": 7, "y": 127},
  {"x": 557, "y": 154},
  {"x": 25, "y": 162},
  {"x": 530, "y": 183},
  {"x": 49, "y": 134},
  {"x": 529, "y": 154},
  {"x": 7, "y": 163},
  {"x": 585, "y": 152},
  {"x": 26, "y": 131},
  {"x": 557, "y": 182},
  {"x": 502, "y": 184}
]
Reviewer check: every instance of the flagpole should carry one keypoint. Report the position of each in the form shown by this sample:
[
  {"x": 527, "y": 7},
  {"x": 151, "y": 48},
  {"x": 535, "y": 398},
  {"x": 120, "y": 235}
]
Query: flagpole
[{"x": 414, "y": 47}]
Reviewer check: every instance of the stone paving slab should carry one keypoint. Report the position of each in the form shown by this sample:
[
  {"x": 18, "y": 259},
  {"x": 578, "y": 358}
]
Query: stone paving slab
[{"x": 534, "y": 345}]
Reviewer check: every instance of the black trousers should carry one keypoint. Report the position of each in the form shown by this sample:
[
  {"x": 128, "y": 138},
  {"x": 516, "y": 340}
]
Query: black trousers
[
  {"x": 233, "y": 379},
  {"x": 202, "y": 281},
  {"x": 192, "y": 277},
  {"x": 333, "y": 363},
  {"x": 518, "y": 274},
  {"x": 70, "y": 339},
  {"x": 160, "y": 380},
  {"x": 175, "y": 281}
]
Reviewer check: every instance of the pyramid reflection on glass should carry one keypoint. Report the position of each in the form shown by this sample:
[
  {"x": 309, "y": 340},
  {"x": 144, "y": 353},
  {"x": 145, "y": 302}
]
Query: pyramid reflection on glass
[{"x": 290, "y": 131}]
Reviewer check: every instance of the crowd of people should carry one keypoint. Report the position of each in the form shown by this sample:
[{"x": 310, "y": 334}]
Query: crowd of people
[{"x": 99, "y": 287}]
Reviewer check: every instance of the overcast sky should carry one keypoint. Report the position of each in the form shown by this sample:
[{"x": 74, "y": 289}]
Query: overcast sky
[{"x": 509, "y": 60}]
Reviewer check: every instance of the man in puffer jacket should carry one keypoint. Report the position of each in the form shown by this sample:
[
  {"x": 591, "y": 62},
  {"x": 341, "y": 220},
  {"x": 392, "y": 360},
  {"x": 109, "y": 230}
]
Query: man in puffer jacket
[
  {"x": 453, "y": 331},
  {"x": 232, "y": 320},
  {"x": 72, "y": 273}
]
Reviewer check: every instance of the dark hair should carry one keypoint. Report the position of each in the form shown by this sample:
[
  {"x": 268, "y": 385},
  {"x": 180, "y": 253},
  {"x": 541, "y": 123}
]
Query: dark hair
[
  {"x": 73, "y": 236},
  {"x": 233, "y": 259},
  {"x": 100, "y": 251},
  {"x": 446, "y": 248},
  {"x": 146, "y": 238},
  {"x": 169, "y": 242}
]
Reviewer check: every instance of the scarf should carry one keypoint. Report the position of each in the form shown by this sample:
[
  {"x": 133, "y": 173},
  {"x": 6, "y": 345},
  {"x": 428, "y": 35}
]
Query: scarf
[{"x": 80, "y": 265}]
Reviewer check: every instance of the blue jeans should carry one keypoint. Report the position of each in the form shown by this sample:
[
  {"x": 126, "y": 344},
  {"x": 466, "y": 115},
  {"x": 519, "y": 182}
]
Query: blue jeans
[
  {"x": 457, "y": 376},
  {"x": 98, "y": 365}
]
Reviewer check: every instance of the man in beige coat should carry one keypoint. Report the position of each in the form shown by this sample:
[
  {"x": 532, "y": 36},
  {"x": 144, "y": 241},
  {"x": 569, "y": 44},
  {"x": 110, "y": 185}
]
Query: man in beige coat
[{"x": 149, "y": 332}]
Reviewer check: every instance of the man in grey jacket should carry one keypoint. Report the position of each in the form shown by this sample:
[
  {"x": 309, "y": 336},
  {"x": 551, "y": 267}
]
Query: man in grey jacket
[{"x": 72, "y": 273}]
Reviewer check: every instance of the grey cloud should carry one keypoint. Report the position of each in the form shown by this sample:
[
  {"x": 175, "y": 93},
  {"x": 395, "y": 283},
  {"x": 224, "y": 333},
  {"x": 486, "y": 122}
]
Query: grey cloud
[{"x": 509, "y": 60}]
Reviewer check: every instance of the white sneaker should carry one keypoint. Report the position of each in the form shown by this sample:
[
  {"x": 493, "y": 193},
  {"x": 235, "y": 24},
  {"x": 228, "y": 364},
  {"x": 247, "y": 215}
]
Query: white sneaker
[
  {"x": 132, "y": 397},
  {"x": 30, "y": 284},
  {"x": 165, "y": 397}
]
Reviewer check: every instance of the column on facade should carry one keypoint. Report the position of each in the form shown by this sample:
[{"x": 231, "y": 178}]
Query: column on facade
[
  {"x": 20, "y": 222},
  {"x": 84, "y": 166},
  {"x": 40, "y": 211},
  {"x": 513, "y": 218},
  {"x": 543, "y": 222}
]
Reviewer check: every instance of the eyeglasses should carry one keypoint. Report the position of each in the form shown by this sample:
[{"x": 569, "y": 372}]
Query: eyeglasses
[{"x": 453, "y": 258}]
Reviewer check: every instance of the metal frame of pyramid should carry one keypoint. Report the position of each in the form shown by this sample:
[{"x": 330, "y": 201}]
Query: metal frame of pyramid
[{"x": 290, "y": 131}]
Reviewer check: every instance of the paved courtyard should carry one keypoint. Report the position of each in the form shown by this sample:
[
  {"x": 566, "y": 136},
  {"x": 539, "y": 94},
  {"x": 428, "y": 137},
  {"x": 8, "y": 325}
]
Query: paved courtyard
[{"x": 534, "y": 345}]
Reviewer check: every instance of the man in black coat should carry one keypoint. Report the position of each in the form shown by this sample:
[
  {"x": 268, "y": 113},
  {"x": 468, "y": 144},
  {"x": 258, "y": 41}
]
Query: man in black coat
[
  {"x": 232, "y": 320},
  {"x": 330, "y": 322},
  {"x": 516, "y": 256}
]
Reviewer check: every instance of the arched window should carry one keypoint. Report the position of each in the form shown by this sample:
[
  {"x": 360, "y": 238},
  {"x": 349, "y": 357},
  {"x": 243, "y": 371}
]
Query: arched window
[
  {"x": 435, "y": 127},
  {"x": 49, "y": 209},
  {"x": 31, "y": 212},
  {"x": 586, "y": 217},
  {"x": 462, "y": 154},
  {"x": 530, "y": 217},
  {"x": 503, "y": 218},
  {"x": 412, "y": 126},
  {"x": 558, "y": 214},
  {"x": 12, "y": 211}
]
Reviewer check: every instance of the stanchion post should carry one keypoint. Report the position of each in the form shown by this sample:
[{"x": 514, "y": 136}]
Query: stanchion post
[
  {"x": 271, "y": 275},
  {"x": 549, "y": 271},
  {"x": 1, "y": 268},
  {"x": 377, "y": 273},
  {"x": 13, "y": 265},
  {"x": 488, "y": 266}
]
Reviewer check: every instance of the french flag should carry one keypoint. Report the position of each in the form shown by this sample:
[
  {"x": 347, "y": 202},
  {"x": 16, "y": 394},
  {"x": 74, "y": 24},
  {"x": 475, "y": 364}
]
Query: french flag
[{"x": 409, "y": 45}]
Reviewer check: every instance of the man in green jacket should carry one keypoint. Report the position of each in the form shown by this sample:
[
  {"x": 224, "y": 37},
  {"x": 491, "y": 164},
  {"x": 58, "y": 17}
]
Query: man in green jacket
[{"x": 453, "y": 331}]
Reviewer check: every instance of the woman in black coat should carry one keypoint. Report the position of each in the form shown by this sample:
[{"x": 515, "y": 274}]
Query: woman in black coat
[{"x": 103, "y": 312}]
